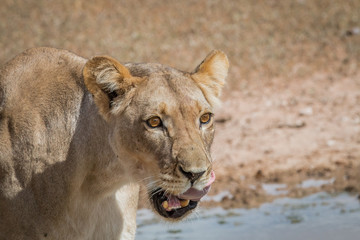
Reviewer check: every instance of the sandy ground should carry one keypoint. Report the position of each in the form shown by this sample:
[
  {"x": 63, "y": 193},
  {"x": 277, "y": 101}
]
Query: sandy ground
[{"x": 286, "y": 133}]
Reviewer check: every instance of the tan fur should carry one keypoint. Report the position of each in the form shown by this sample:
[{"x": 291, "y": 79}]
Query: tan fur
[
  {"x": 211, "y": 74},
  {"x": 73, "y": 133}
]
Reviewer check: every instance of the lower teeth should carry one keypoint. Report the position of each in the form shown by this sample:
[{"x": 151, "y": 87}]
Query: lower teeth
[
  {"x": 183, "y": 203},
  {"x": 165, "y": 204}
]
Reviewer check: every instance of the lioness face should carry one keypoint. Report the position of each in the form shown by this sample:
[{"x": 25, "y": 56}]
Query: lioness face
[
  {"x": 163, "y": 120},
  {"x": 173, "y": 130}
]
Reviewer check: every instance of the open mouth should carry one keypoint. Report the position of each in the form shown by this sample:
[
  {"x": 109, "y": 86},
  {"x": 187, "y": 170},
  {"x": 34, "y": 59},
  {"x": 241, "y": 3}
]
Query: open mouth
[{"x": 171, "y": 206}]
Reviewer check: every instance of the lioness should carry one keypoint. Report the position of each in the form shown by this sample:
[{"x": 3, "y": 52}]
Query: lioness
[{"x": 73, "y": 132}]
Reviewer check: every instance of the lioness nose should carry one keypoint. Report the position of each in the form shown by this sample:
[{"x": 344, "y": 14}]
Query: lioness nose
[{"x": 192, "y": 176}]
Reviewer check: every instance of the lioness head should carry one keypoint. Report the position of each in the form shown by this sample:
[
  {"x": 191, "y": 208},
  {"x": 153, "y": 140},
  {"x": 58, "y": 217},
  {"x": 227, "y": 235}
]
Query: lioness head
[{"x": 162, "y": 120}]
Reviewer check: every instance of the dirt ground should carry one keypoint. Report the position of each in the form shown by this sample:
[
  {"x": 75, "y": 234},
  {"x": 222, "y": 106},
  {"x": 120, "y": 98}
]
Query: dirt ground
[
  {"x": 285, "y": 134},
  {"x": 291, "y": 105}
]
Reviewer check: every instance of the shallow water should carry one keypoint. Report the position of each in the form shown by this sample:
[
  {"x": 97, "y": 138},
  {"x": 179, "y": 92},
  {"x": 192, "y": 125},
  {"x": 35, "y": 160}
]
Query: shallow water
[
  {"x": 274, "y": 189},
  {"x": 320, "y": 216},
  {"x": 316, "y": 182}
]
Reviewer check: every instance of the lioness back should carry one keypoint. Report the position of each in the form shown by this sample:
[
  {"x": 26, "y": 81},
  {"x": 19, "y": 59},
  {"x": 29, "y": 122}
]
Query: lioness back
[{"x": 39, "y": 106}]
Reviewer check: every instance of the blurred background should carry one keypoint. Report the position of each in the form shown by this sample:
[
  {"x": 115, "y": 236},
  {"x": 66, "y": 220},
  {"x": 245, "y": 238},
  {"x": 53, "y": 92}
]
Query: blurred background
[
  {"x": 289, "y": 125},
  {"x": 263, "y": 38}
]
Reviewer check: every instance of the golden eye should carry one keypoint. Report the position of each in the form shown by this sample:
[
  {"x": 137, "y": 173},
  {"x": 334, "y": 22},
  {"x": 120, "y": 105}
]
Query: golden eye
[
  {"x": 154, "y": 122},
  {"x": 205, "y": 118}
]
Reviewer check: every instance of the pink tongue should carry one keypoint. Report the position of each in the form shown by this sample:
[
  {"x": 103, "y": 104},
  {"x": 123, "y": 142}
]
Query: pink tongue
[
  {"x": 173, "y": 202},
  {"x": 194, "y": 194}
]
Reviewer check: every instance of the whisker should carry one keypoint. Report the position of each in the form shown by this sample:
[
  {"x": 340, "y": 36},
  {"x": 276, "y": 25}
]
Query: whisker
[{"x": 152, "y": 183}]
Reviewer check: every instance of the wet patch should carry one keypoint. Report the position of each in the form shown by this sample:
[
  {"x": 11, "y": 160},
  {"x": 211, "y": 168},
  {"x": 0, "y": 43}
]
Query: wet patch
[
  {"x": 275, "y": 189},
  {"x": 319, "y": 216},
  {"x": 316, "y": 182},
  {"x": 218, "y": 197}
]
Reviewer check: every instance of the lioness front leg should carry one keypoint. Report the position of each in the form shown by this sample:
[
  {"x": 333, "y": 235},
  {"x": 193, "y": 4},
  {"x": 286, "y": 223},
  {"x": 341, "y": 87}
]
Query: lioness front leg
[{"x": 128, "y": 197}]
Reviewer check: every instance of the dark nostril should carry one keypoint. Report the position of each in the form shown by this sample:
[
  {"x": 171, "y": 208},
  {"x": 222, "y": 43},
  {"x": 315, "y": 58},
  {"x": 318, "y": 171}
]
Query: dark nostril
[{"x": 191, "y": 175}]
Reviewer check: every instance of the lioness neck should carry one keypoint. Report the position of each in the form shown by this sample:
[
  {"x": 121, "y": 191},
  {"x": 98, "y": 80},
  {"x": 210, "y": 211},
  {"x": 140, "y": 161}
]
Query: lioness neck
[{"x": 103, "y": 170}]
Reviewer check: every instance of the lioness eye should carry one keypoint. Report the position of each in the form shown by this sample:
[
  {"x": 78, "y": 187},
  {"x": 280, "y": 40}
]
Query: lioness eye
[
  {"x": 205, "y": 118},
  {"x": 154, "y": 122}
]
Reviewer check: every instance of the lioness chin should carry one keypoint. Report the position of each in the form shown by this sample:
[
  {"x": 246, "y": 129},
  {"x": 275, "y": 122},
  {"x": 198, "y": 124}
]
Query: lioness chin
[{"x": 78, "y": 136}]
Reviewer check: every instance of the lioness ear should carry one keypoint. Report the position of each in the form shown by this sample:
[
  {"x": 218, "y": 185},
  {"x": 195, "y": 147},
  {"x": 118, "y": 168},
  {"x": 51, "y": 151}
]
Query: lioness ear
[
  {"x": 110, "y": 83},
  {"x": 210, "y": 75}
]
